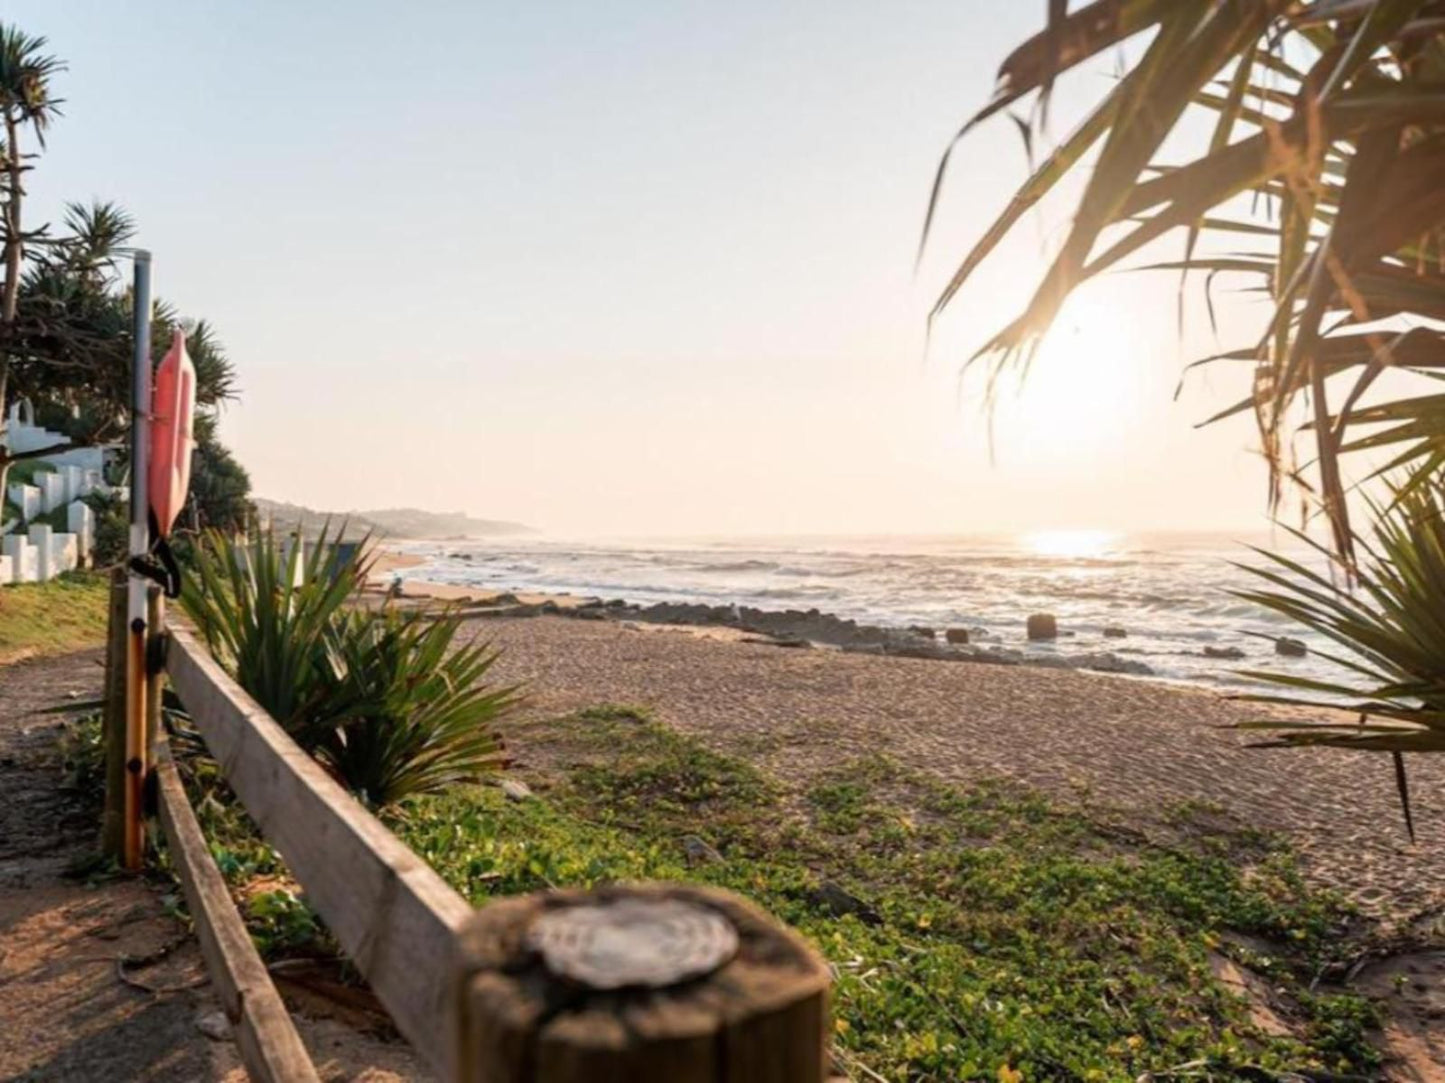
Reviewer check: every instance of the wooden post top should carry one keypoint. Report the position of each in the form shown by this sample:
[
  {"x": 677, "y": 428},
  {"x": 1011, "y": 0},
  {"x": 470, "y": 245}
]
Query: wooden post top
[{"x": 645, "y": 982}]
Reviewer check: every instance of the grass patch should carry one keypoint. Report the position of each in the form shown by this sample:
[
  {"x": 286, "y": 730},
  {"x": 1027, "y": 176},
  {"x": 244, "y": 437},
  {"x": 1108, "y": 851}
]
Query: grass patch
[
  {"x": 65, "y": 614},
  {"x": 998, "y": 933},
  {"x": 995, "y": 934}
]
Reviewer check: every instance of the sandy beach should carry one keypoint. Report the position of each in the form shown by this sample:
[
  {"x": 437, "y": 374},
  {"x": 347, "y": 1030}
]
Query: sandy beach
[{"x": 1135, "y": 748}]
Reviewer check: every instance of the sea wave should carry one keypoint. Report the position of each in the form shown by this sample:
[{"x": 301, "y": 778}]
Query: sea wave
[{"x": 1169, "y": 602}]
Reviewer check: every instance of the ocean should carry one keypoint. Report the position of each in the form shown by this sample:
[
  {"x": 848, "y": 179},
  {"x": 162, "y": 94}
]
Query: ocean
[{"x": 1170, "y": 592}]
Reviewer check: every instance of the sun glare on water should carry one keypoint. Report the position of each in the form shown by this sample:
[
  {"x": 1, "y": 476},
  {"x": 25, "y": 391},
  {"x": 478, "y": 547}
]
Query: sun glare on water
[{"x": 1070, "y": 543}]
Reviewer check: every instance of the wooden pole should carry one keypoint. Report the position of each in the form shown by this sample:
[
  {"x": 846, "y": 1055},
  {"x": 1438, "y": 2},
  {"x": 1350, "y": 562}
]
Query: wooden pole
[
  {"x": 682, "y": 983},
  {"x": 155, "y": 632},
  {"x": 136, "y": 700},
  {"x": 113, "y": 719}
]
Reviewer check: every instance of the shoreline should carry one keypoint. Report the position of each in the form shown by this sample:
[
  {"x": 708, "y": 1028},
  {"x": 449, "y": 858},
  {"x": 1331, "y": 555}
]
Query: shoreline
[{"x": 805, "y": 629}]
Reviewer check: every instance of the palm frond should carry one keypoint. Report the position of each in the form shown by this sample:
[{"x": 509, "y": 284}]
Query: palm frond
[{"x": 1349, "y": 147}]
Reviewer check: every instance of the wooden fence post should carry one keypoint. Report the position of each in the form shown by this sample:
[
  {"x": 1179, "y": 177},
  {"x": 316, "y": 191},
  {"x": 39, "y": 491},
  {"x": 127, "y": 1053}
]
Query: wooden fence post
[
  {"x": 651, "y": 982},
  {"x": 155, "y": 631},
  {"x": 113, "y": 719}
]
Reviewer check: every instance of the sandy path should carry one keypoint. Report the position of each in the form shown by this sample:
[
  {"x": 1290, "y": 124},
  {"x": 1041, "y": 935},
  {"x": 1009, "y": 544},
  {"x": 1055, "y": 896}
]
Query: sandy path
[
  {"x": 64, "y": 1013},
  {"x": 1141, "y": 745}
]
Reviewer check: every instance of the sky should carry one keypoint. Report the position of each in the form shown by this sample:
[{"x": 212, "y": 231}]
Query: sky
[{"x": 631, "y": 268}]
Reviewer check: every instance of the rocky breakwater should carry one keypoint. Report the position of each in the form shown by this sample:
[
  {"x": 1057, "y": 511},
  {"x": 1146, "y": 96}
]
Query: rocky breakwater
[{"x": 812, "y": 627}]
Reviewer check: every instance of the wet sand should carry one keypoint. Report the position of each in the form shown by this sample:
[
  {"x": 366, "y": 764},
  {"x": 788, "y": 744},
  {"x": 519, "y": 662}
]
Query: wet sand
[{"x": 1141, "y": 747}]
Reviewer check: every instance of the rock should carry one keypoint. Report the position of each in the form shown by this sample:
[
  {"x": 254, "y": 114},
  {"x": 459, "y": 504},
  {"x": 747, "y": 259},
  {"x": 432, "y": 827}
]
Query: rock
[
  {"x": 1113, "y": 631},
  {"x": 516, "y": 789},
  {"x": 699, "y": 852},
  {"x": 1223, "y": 652},
  {"x": 549, "y": 606},
  {"x": 1043, "y": 626},
  {"x": 931, "y": 651},
  {"x": 588, "y": 612},
  {"x": 505, "y": 598},
  {"x": 617, "y": 603},
  {"x": 215, "y": 1026},
  {"x": 923, "y": 630},
  {"x": 956, "y": 635},
  {"x": 1290, "y": 648},
  {"x": 1107, "y": 662},
  {"x": 789, "y": 641},
  {"x": 838, "y": 901}
]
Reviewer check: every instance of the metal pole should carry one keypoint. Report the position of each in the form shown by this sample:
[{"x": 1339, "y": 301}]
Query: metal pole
[{"x": 136, "y": 601}]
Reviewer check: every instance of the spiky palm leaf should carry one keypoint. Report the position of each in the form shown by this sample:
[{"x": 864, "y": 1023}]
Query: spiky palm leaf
[
  {"x": 387, "y": 701},
  {"x": 267, "y": 615},
  {"x": 1390, "y": 630},
  {"x": 1350, "y": 148},
  {"x": 414, "y": 714},
  {"x": 1391, "y": 627},
  {"x": 25, "y": 71}
]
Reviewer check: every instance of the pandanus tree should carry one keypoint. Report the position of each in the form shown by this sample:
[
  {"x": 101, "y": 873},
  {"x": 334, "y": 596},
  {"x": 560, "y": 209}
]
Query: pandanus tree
[
  {"x": 66, "y": 317},
  {"x": 1324, "y": 178}
]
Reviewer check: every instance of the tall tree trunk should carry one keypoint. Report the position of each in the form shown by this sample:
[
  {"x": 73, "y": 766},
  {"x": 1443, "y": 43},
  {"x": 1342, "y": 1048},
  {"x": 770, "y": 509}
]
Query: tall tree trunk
[{"x": 14, "y": 251}]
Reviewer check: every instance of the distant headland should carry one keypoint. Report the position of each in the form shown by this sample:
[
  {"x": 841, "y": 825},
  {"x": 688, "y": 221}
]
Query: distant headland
[{"x": 386, "y": 522}]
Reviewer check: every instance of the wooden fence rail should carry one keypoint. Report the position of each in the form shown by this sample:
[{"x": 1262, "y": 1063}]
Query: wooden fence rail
[
  {"x": 645, "y": 983},
  {"x": 270, "y": 1047},
  {"x": 393, "y": 915}
]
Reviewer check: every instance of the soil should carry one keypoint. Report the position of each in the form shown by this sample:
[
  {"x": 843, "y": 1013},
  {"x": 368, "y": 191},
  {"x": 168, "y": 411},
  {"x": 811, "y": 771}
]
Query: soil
[{"x": 99, "y": 977}]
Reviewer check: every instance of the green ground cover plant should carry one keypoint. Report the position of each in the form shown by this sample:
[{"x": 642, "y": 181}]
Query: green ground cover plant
[
  {"x": 64, "y": 614},
  {"x": 977, "y": 932}
]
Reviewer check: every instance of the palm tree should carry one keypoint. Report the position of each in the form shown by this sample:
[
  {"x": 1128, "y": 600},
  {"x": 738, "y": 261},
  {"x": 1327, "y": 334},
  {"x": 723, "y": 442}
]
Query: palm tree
[
  {"x": 25, "y": 99},
  {"x": 1334, "y": 112}
]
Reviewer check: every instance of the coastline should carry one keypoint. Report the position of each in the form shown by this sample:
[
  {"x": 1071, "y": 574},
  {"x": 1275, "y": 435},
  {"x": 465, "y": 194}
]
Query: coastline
[
  {"x": 1139, "y": 747},
  {"x": 810, "y": 628},
  {"x": 1163, "y": 608}
]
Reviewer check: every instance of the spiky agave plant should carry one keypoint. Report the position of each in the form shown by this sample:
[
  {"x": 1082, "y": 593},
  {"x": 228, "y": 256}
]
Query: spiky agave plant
[
  {"x": 266, "y": 612},
  {"x": 413, "y": 712},
  {"x": 1390, "y": 628},
  {"x": 1331, "y": 113}
]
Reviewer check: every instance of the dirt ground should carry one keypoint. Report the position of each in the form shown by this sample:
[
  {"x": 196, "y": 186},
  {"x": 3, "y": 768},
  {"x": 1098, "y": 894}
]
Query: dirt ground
[{"x": 99, "y": 980}]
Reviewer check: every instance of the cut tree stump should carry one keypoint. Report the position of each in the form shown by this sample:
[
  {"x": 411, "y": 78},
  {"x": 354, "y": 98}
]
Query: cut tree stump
[{"x": 648, "y": 982}]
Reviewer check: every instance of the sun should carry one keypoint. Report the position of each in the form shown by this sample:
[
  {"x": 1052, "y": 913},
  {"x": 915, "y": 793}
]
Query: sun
[{"x": 1082, "y": 395}]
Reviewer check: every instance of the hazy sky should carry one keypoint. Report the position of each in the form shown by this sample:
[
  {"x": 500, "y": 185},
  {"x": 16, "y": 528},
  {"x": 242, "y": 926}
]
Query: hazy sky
[{"x": 632, "y": 267}]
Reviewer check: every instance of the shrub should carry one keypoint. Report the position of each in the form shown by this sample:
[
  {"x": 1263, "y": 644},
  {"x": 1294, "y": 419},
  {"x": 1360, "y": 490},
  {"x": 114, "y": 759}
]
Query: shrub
[
  {"x": 266, "y": 616},
  {"x": 416, "y": 715},
  {"x": 385, "y": 699},
  {"x": 112, "y": 529}
]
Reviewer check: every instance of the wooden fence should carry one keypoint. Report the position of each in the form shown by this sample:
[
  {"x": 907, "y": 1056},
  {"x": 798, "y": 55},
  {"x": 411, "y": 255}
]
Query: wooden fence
[{"x": 644, "y": 982}]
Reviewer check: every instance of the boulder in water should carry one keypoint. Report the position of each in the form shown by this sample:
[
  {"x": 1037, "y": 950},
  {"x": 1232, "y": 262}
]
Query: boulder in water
[
  {"x": 1290, "y": 648},
  {"x": 1113, "y": 631},
  {"x": 1043, "y": 626},
  {"x": 956, "y": 635},
  {"x": 1223, "y": 652},
  {"x": 923, "y": 630}
]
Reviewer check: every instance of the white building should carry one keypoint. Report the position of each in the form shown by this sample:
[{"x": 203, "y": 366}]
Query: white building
[{"x": 35, "y": 551}]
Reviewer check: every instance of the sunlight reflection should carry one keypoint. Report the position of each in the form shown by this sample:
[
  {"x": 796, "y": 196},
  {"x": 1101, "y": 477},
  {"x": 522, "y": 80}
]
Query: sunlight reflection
[{"x": 1070, "y": 543}]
